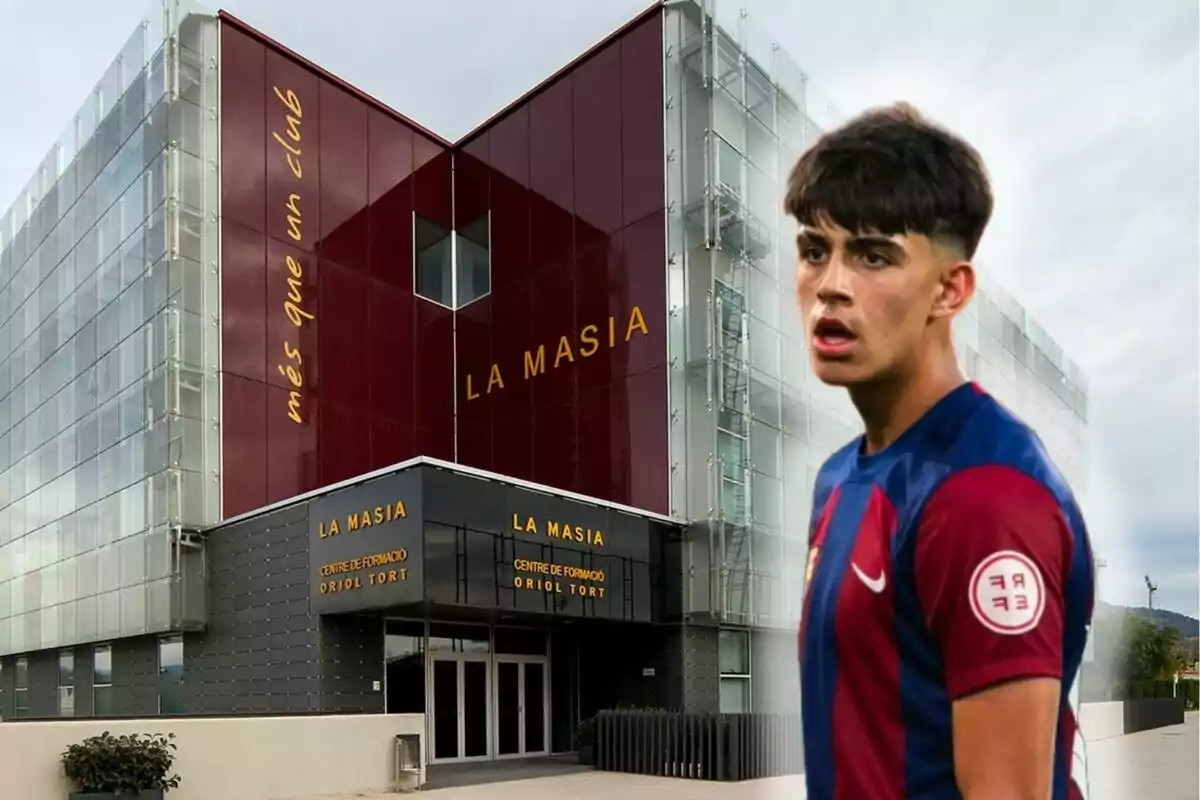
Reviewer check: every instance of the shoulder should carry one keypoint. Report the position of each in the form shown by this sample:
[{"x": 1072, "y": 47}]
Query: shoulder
[
  {"x": 992, "y": 477},
  {"x": 999, "y": 491},
  {"x": 997, "y": 460}
]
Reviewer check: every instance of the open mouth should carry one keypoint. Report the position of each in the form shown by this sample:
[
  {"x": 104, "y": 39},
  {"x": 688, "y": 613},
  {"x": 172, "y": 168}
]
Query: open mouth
[{"x": 832, "y": 331}]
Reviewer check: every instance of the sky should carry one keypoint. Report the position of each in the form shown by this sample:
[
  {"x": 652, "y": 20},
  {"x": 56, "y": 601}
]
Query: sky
[{"x": 1087, "y": 114}]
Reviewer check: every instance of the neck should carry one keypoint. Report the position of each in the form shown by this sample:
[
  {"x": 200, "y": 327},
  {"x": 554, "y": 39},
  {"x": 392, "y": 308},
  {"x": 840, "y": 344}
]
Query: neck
[{"x": 890, "y": 406}]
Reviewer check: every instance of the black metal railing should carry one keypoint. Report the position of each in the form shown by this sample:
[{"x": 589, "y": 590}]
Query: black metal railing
[{"x": 712, "y": 747}]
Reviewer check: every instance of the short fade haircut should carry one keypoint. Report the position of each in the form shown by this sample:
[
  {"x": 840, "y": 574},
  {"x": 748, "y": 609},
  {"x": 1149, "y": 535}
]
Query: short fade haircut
[{"x": 893, "y": 172}]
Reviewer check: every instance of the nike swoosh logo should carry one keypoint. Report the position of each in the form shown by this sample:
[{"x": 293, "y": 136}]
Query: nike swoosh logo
[{"x": 876, "y": 585}]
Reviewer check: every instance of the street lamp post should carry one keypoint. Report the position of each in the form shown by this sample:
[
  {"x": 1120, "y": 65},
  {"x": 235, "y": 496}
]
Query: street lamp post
[{"x": 1150, "y": 590}]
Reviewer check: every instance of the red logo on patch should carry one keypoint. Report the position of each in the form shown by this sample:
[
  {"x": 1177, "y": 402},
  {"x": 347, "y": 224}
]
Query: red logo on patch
[{"x": 1008, "y": 594}]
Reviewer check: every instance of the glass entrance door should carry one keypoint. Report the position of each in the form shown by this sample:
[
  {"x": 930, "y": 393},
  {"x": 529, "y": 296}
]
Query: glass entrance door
[
  {"x": 461, "y": 698},
  {"x": 521, "y": 706}
]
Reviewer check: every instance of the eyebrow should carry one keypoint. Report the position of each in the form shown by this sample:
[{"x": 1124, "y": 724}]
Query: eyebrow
[
  {"x": 869, "y": 240},
  {"x": 809, "y": 237},
  {"x": 856, "y": 243}
]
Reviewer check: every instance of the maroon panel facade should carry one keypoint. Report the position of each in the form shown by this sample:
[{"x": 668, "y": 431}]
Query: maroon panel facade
[
  {"x": 333, "y": 366},
  {"x": 322, "y": 339},
  {"x": 562, "y": 373}
]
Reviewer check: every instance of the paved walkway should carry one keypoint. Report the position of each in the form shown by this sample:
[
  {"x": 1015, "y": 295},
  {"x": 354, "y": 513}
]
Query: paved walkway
[
  {"x": 615, "y": 786},
  {"x": 1154, "y": 765}
]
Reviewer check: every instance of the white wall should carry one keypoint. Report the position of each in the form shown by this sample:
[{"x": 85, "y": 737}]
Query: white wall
[
  {"x": 1102, "y": 720},
  {"x": 231, "y": 758}
]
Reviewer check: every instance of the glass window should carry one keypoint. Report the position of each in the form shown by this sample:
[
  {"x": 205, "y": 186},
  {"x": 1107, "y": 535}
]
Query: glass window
[
  {"x": 66, "y": 701},
  {"x": 103, "y": 704},
  {"x": 404, "y": 665},
  {"x": 734, "y": 652},
  {"x": 21, "y": 688},
  {"x": 446, "y": 637},
  {"x": 473, "y": 261},
  {"x": 66, "y": 668},
  {"x": 734, "y": 660},
  {"x": 73, "y": 243},
  {"x": 735, "y": 695},
  {"x": 170, "y": 675},
  {"x": 434, "y": 278},
  {"x": 521, "y": 641}
]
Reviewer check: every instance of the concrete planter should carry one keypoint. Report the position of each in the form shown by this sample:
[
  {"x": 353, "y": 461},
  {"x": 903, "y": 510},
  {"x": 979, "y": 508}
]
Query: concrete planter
[{"x": 144, "y": 794}]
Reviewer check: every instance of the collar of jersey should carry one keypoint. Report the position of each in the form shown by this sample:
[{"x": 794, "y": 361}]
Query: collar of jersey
[{"x": 940, "y": 416}]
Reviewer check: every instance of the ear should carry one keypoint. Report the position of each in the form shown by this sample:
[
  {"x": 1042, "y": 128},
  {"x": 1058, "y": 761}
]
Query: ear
[{"x": 955, "y": 288}]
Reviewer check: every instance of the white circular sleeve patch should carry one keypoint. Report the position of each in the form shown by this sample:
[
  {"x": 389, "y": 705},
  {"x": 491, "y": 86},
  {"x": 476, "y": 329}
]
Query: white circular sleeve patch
[{"x": 1008, "y": 594}]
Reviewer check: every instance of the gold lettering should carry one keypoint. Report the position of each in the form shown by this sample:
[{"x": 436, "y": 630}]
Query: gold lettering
[
  {"x": 290, "y": 373},
  {"x": 537, "y": 367},
  {"x": 293, "y": 306},
  {"x": 589, "y": 341},
  {"x": 564, "y": 351},
  {"x": 296, "y": 314},
  {"x": 584, "y": 344},
  {"x": 292, "y": 151},
  {"x": 289, "y": 99},
  {"x": 365, "y": 519},
  {"x": 344, "y": 577},
  {"x": 495, "y": 379},
  {"x": 294, "y": 218},
  {"x": 636, "y": 320},
  {"x": 557, "y": 529},
  {"x": 545, "y": 576},
  {"x": 294, "y": 407}
]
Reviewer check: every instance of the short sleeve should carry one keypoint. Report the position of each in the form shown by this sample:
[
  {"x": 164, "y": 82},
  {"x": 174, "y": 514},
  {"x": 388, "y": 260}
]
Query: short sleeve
[{"x": 993, "y": 546}]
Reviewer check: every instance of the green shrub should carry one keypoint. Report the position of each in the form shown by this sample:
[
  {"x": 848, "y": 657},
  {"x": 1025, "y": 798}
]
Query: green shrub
[
  {"x": 1191, "y": 693},
  {"x": 117, "y": 764},
  {"x": 585, "y": 733}
]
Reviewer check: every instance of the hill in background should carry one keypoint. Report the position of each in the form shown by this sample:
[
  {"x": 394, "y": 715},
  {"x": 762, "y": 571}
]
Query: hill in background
[{"x": 1185, "y": 625}]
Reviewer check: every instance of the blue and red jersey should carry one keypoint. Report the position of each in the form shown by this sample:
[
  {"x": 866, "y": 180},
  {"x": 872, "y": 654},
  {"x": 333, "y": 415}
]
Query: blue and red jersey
[{"x": 951, "y": 561}]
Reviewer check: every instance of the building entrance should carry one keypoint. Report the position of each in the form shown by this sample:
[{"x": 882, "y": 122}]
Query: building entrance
[
  {"x": 522, "y": 706},
  {"x": 485, "y": 690},
  {"x": 460, "y": 699}
]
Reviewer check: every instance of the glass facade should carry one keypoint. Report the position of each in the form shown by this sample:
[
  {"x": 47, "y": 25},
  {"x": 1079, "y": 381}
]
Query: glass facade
[
  {"x": 750, "y": 426},
  {"x": 108, "y": 290}
]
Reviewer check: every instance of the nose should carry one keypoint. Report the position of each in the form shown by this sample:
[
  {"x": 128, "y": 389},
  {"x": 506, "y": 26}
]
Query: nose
[{"x": 834, "y": 285}]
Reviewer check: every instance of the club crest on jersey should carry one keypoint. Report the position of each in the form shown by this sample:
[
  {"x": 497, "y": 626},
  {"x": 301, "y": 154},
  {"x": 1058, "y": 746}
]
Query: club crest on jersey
[{"x": 1008, "y": 593}]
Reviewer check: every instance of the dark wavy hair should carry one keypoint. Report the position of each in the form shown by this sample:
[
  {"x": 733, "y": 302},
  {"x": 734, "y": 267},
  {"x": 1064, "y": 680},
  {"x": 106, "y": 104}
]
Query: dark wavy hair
[{"x": 893, "y": 172}]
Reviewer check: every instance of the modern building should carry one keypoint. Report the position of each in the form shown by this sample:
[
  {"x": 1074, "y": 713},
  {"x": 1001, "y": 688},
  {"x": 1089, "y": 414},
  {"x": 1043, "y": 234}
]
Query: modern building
[{"x": 547, "y": 382}]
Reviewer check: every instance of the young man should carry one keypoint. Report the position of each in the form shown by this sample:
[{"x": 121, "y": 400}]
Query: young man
[{"x": 950, "y": 588}]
